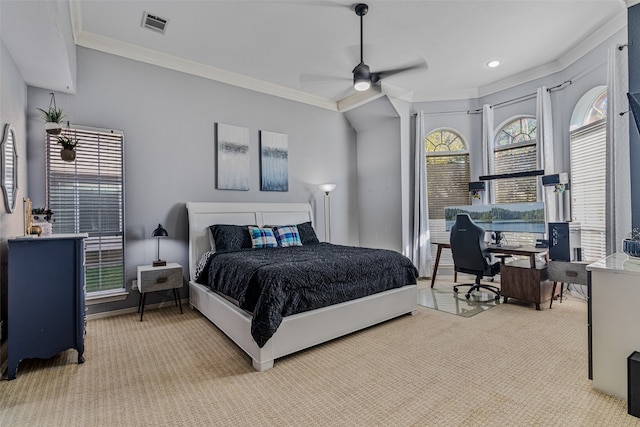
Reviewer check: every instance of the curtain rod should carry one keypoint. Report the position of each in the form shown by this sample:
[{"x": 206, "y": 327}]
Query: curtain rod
[{"x": 560, "y": 86}]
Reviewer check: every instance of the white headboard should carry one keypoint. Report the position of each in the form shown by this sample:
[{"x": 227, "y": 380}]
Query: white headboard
[{"x": 203, "y": 214}]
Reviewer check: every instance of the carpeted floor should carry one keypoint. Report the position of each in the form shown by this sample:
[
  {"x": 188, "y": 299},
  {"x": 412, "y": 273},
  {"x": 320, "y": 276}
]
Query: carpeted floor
[{"x": 509, "y": 366}]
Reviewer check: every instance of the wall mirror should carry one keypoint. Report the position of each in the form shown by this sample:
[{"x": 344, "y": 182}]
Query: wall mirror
[{"x": 9, "y": 176}]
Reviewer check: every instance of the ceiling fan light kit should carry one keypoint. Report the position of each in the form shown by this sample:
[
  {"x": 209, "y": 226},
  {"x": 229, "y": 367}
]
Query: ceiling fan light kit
[{"x": 363, "y": 78}]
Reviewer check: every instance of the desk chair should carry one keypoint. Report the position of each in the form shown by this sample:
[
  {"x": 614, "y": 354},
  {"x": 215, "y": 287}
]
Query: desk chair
[{"x": 470, "y": 254}]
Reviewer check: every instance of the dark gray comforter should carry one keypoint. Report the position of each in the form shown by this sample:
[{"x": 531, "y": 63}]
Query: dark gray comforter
[{"x": 277, "y": 282}]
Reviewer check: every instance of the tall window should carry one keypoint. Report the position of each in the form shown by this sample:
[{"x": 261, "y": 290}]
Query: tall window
[
  {"x": 588, "y": 148},
  {"x": 447, "y": 180},
  {"x": 515, "y": 151},
  {"x": 87, "y": 196}
]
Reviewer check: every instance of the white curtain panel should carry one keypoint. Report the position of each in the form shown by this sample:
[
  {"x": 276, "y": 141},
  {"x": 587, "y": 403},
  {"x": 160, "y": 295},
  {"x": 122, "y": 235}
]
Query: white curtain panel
[
  {"x": 488, "y": 147},
  {"x": 618, "y": 211},
  {"x": 421, "y": 240},
  {"x": 545, "y": 153}
]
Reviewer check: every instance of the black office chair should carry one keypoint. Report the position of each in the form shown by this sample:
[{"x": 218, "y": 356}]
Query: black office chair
[{"x": 470, "y": 255}]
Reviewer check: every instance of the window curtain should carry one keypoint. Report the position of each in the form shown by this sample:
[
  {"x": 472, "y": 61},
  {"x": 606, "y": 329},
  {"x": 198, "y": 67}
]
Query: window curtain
[
  {"x": 618, "y": 205},
  {"x": 421, "y": 240},
  {"x": 488, "y": 148},
  {"x": 545, "y": 153}
]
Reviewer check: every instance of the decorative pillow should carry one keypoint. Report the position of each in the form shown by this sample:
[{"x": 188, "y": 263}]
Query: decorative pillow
[
  {"x": 307, "y": 234},
  {"x": 287, "y": 235},
  {"x": 262, "y": 237},
  {"x": 230, "y": 237},
  {"x": 202, "y": 268}
]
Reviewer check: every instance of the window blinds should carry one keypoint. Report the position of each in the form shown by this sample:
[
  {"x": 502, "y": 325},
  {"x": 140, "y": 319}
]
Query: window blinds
[
  {"x": 588, "y": 187},
  {"x": 517, "y": 158},
  {"x": 447, "y": 185},
  {"x": 87, "y": 196}
]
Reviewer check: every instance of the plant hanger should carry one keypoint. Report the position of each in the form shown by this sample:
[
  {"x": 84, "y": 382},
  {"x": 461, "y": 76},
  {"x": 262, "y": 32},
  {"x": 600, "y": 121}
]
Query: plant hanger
[{"x": 52, "y": 117}]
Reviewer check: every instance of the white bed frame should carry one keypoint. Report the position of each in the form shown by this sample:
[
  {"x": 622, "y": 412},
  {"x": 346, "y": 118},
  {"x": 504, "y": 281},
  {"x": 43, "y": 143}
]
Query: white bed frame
[{"x": 298, "y": 331}]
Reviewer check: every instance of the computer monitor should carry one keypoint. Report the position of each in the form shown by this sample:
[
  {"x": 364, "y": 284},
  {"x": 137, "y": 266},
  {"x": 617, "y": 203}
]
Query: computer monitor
[{"x": 502, "y": 217}]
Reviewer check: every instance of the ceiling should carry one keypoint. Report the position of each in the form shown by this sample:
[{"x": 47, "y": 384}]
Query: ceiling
[{"x": 305, "y": 50}]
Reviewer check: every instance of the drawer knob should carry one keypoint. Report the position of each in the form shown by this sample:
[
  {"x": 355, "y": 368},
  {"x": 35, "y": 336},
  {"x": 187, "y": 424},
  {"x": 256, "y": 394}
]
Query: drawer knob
[
  {"x": 161, "y": 279},
  {"x": 572, "y": 273}
]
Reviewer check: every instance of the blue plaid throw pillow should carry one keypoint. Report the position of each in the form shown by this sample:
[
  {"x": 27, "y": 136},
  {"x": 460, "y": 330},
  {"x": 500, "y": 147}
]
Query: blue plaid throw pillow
[
  {"x": 287, "y": 235},
  {"x": 262, "y": 237}
]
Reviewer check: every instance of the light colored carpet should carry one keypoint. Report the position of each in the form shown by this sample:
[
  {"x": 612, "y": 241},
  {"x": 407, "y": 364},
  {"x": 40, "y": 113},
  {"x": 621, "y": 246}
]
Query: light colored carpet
[{"x": 510, "y": 366}]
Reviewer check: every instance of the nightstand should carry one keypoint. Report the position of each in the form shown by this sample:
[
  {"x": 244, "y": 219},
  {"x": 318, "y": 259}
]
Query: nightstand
[{"x": 152, "y": 279}]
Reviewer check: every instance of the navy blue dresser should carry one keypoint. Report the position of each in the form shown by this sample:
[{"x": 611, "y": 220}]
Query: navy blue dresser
[{"x": 46, "y": 301}]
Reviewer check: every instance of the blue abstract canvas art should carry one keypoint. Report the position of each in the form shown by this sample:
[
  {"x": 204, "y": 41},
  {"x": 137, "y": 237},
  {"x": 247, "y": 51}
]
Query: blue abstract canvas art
[
  {"x": 233, "y": 157},
  {"x": 274, "y": 161}
]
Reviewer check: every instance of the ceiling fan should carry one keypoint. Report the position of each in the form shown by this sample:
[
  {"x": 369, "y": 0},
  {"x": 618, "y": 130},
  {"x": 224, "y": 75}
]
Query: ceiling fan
[{"x": 363, "y": 78}]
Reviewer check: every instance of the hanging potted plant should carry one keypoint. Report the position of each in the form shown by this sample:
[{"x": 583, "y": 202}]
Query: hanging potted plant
[
  {"x": 52, "y": 117},
  {"x": 68, "y": 152}
]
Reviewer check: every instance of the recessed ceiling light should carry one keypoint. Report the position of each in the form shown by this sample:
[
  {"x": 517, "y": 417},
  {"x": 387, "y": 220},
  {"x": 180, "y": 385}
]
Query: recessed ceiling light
[{"x": 493, "y": 63}]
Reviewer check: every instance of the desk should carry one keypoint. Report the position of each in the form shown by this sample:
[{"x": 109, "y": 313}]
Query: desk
[
  {"x": 435, "y": 266},
  {"x": 529, "y": 251}
]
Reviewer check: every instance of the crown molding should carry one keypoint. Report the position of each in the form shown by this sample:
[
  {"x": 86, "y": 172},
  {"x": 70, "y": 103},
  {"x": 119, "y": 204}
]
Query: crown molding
[
  {"x": 359, "y": 98},
  {"x": 569, "y": 57},
  {"x": 150, "y": 56}
]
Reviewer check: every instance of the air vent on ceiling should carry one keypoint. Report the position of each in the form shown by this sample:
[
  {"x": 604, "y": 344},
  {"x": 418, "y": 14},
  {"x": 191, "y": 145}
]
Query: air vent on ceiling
[{"x": 154, "y": 22}]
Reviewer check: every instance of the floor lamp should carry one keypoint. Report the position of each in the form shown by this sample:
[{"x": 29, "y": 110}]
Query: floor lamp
[{"x": 327, "y": 188}]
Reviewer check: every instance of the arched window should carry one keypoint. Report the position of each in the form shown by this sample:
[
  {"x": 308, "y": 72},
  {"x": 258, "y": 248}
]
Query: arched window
[
  {"x": 447, "y": 171},
  {"x": 515, "y": 151},
  {"x": 447, "y": 179},
  {"x": 588, "y": 151}
]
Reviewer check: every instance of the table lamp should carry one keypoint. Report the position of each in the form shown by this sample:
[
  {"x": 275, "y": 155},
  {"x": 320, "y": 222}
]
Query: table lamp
[{"x": 159, "y": 232}]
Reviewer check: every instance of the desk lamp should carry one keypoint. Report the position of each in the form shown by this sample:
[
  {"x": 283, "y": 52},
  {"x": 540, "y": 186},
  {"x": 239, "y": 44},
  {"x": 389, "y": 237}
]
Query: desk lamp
[{"x": 159, "y": 232}]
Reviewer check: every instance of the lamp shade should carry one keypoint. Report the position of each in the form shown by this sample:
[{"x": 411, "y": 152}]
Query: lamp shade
[
  {"x": 327, "y": 188},
  {"x": 160, "y": 232}
]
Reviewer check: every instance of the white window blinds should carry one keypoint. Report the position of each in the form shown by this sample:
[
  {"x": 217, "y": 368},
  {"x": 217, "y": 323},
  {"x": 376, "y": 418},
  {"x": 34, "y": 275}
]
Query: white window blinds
[
  {"x": 518, "y": 157},
  {"x": 588, "y": 187},
  {"x": 447, "y": 185},
  {"x": 87, "y": 196}
]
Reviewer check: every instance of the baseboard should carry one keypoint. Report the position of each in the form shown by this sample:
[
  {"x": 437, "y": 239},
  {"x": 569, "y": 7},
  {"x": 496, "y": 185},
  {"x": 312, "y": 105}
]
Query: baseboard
[{"x": 130, "y": 310}]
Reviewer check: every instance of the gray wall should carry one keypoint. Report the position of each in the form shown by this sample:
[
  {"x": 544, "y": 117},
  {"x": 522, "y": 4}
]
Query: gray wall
[
  {"x": 586, "y": 73},
  {"x": 168, "y": 122},
  {"x": 379, "y": 174},
  {"x": 13, "y": 104}
]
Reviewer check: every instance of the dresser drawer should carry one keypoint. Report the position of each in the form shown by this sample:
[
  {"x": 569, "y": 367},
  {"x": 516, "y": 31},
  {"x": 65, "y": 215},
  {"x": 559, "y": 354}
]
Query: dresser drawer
[
  {"x": 568, "y": 272},
  {"x": 152, "y": 279}
]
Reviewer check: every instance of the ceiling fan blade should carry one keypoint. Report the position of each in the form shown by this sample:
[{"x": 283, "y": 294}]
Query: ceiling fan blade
[{"x": 416, "y": 65}]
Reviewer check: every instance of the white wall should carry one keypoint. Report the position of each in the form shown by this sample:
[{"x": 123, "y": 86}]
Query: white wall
[{"x": 168, "y": 122}]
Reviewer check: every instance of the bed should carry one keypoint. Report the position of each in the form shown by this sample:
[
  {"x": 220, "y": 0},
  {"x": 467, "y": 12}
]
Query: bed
[{"x": 297, "y": 331}]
